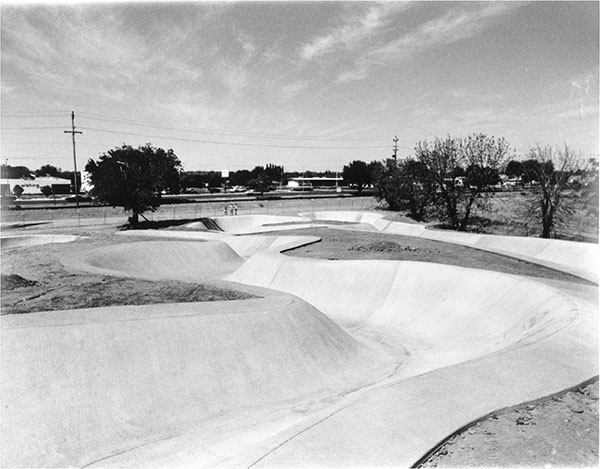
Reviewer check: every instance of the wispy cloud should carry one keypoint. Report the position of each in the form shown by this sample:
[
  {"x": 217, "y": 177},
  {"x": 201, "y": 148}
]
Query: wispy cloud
[
  {"x": 291, "y": 90},
  {"x": 354, "y": 30},
  {"x": 456, "y": 25}
]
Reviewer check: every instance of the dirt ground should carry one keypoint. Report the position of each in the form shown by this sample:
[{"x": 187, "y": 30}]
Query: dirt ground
[
  {"x": 561, "y": 431},
  {"x": 38, "y": 281},
  {"x": 340, "y": 244},
  {"x": 558, "y": 432}
]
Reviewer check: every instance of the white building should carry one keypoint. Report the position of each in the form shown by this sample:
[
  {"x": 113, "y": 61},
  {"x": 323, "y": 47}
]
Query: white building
[
  {"x": 34, "y": 186},
  {"x": 299, "y": 183}
]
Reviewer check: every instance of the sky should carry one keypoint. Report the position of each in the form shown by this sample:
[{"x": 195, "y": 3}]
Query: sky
[{"x": 305, "y": 85}]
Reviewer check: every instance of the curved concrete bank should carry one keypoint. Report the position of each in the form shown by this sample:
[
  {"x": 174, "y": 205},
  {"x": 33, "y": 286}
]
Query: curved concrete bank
[
  {"x": 581, "y": 259},
  {"x": 79, "y": 386},
  {"x": 161, "y": 259},
  {"x": 339, "y": 364},
  {"x": 246, "y": 224}
]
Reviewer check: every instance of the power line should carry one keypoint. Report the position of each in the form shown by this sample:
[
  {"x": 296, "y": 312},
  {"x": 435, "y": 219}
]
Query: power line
[
  {"x": 33, "y": 113},
  {"x": 227, "y": 132},
  {"x": 220, "y": 142},
  {"x": 31, "y": 128},
  {"x": 33, "y": 143}
]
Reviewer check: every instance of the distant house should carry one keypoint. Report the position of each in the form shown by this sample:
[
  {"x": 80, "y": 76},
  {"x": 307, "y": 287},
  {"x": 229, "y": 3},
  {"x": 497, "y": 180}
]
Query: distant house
[{"x": 34, "y": 185}]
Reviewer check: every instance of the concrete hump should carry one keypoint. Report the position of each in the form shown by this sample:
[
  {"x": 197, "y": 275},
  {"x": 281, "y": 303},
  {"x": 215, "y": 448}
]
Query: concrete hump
[
  {"x": 137, "y": 374},
  {"x": 161, "y": 259}
]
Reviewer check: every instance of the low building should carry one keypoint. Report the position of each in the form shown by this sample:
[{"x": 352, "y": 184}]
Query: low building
[
  {"x": 299, "y": 183},
  {"x": 34, "y": 185}
]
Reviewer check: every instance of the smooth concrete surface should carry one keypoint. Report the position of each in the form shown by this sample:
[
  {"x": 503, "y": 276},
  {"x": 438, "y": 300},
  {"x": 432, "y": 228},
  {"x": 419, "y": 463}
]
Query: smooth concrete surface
[
  {"x": 334, "y": 364},
  {"x": 18, "y": 241}
]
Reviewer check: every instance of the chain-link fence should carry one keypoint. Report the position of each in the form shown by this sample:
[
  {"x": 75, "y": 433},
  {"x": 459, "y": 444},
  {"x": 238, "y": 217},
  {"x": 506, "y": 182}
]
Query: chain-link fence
[{"x": 102, "y": 215}]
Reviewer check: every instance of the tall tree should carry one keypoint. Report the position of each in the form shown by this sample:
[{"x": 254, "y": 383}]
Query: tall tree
[
  {"x": 405, "y": 185},
  {"x": 15, "y": 172},
  {"x": 462, "y": 171},
  {"x": 357, "y": 172},
  {"x": 513, "y": 168},
  {"x": 551, "y": 168},
  {"x": 134, "y": 178},
  {"x": 47, "y": 170}
]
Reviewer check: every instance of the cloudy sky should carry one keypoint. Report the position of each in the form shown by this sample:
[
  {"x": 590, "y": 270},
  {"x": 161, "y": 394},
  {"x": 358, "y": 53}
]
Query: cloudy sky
[{"x": 307, "y": 85}]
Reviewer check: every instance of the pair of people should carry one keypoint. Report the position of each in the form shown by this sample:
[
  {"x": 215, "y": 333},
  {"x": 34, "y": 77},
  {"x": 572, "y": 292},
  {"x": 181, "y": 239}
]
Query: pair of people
[{"x": 230, "y": 209}]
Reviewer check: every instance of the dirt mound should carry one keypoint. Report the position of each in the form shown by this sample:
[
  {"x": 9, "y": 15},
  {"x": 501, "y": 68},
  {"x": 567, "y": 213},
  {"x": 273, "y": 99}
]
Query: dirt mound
[
  {"x": 13, "y": 281},
  {"x": 382, "y": 246}
]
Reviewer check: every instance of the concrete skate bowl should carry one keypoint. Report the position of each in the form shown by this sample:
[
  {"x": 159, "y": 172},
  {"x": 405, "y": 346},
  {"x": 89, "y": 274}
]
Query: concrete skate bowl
[
  {"x": 339, "y": 364},
  {"x": 18, "y": 241},
  {"x": 421, "y": 304},
  {"x": 580, "y": 259},
  {"x": 160, "y": 259}
]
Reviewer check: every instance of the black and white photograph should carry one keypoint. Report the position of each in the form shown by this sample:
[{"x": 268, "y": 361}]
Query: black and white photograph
[{"x": 299, "y": 234}]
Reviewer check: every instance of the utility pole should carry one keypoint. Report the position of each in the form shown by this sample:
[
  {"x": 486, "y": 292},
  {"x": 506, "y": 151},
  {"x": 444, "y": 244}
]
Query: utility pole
[
  {"x": 73, "y": 132},
  {"x": 395, "y": 147}
]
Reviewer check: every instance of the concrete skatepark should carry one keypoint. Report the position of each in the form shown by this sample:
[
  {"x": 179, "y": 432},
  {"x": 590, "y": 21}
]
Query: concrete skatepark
[{"x": 335, "y": 364}]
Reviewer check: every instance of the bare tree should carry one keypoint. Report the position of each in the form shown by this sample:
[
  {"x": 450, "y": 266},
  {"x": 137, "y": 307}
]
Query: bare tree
[
  {"x": 551, "y": 171},
  {"x": 463, "y": 170}
]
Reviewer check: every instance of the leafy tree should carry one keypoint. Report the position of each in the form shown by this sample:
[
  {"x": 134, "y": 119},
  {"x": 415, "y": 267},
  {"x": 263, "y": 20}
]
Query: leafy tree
[
  {"x": 18, "y": 190},
  {"x": 405, "y": 185},
  {"x": 47, "y": 170},
  {"x": 15, "y": 172},
  {"x": 589, "y": 192},
  {"x": 134, "y": 178},
  {"x": 274, "y": 173},
  {"x": 47, "y": 190},
  {"x": 513, "y": 169},
  {"x": 551, "y": 169},
  {"x": 462, "y": 170},
  {"x": 357, "y": 172},
  {"x": 240, "y": 177},
  {"x": 261, "y": 183},
  {"x": 530, "y": 171}
]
